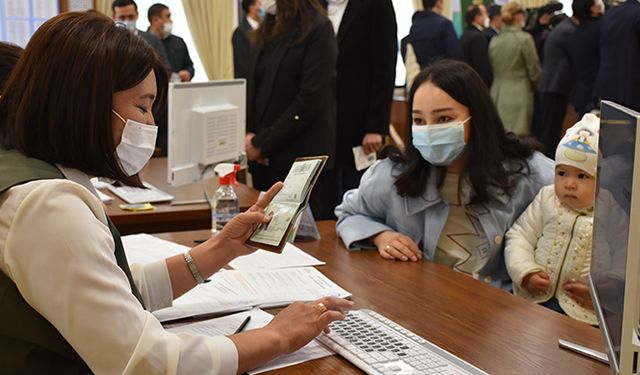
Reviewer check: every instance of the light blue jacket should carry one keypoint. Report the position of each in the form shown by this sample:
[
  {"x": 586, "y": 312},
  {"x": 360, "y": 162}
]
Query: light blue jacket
[{"x": 375, "y": 206}]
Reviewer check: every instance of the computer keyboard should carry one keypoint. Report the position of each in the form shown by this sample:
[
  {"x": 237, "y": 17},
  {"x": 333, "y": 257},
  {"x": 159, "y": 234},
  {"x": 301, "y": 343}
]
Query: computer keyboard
[
  {"x": 377, "y": 345},
  {"x": 131, "y": 194}
]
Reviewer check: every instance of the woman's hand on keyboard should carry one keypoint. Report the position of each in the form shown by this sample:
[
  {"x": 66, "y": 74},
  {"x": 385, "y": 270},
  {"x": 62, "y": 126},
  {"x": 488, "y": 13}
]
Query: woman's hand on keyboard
[{"x": 301, "y": 322}]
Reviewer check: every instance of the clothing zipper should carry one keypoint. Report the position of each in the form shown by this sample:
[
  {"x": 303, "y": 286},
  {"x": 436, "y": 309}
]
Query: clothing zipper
[{"x": 566, "y": 251}]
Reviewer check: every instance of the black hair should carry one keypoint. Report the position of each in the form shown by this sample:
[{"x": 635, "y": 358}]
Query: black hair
[
  {"x": 473, "y": 11},
  {"x": 294, "y": 17},
  {"x": 582, "y": 9},
  {"x": 9, "y": 55},
  {"x": 489, "y": 147},
  {"x": 429, "y": 4},
  {"x": 246, "y": 4},
  {"x": 122, "y": 3},
  {"x": 156, "y": 10},
  {"x": 494, "y": 11}
]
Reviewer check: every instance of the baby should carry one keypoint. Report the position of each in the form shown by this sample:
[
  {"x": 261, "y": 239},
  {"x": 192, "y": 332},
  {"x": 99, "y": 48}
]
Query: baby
[{"x": 548, "y": 249}]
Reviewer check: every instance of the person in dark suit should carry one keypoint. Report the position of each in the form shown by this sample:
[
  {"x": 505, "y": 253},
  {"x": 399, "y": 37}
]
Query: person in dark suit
[
  {"x": 584, "y": 48},
  {"x": 161, "y": 25},
  {"x": 555, "y": 85},
  {"x": 126, "y": 13},
  {"x": 240, "y": 38},
  {"x": 495, "y": 22},
  {"x": 619, "y": 76},
  {"x": 475, "y": 46},
  {"x": 291, "y": 95},
  {"x": 431, "y": 37},
  {"x": 366, "y": 69}
]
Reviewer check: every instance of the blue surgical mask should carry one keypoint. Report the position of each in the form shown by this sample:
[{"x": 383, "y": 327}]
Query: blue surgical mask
[{"x": 439, "y": 144}]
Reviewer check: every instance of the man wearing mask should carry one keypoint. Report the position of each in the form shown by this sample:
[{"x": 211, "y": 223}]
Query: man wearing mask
[
  {"x": 175, "y": 47},
  {"x": 126, "y": 13},
  {"x": 475, "y": 46},
  {"x": 240, "y": 39}
]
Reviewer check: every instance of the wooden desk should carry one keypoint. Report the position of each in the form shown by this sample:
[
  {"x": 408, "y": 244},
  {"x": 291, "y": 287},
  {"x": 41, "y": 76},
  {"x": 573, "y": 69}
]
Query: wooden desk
[
  {"x": 168, "y": 218},
  {"x": 492, "y": 329}
]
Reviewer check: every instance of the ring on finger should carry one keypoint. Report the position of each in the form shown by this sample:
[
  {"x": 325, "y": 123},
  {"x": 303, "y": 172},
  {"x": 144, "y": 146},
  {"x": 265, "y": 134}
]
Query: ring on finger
[
  {"x": 388, "y": 247},
  {"x": 321, "y": 307}
]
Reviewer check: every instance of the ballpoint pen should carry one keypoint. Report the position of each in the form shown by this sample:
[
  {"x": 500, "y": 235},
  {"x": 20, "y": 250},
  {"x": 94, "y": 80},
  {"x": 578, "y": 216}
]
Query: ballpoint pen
[{"x": 243, "y": 324}]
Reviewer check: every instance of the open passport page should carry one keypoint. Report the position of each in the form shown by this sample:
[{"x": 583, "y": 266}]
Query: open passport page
[{"x": 287, "y": 205}]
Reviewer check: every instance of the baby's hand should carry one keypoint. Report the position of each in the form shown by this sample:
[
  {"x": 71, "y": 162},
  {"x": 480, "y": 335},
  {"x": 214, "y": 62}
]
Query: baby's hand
[
  {"x": 536, "y": 283},
  {"x": 579, "y": 292}
]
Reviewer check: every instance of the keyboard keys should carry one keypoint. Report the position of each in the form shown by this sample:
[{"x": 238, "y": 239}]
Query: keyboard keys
[{"x": 384, "y": 347}]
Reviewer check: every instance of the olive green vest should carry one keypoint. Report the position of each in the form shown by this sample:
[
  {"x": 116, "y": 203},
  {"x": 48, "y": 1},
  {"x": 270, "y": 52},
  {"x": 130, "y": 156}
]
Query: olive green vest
[{"x": 29, "y": 344}]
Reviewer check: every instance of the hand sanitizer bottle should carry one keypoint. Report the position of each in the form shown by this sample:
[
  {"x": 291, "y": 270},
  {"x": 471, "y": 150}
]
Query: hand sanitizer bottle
[{"x": 225, "y": 201}]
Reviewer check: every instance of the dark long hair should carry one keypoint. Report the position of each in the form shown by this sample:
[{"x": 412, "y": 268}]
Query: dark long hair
[
  {"x": 9, "y": 55},
  {"x": 294, "y": 17},
  {"x": 57, "y": 103},
  {"x": 490, "y": 146}
]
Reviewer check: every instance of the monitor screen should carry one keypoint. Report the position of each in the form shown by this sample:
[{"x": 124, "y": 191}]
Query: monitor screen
[
  {"x": 611, "y": 222},
  {"x": 206, "y": 126}
]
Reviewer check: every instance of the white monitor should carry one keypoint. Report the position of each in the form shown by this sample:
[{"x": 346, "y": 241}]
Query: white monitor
[
  {"x": 615, "y": 260},
  {"x": 207, "y": 123}
]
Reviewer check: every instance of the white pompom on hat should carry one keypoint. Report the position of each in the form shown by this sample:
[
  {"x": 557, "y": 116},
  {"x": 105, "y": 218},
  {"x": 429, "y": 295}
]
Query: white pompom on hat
[{"x": 579, "y": 146}]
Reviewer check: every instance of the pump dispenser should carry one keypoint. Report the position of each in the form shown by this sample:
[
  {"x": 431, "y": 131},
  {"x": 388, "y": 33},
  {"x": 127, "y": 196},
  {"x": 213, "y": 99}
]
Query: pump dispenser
[{"x": 225, "y": 202}]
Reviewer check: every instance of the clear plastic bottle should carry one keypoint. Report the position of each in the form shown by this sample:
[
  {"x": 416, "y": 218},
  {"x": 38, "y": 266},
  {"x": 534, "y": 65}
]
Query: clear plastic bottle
[{"x": 226, "y": 203}]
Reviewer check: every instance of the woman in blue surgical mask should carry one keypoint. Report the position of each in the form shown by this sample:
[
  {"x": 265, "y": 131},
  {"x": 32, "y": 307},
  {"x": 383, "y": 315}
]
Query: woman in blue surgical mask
[
  {"x": 89, "y": 112},
  {"x": 455, "y": 191}
]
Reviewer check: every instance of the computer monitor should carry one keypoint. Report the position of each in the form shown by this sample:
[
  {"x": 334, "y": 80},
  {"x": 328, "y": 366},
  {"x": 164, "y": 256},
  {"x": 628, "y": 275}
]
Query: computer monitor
[
  {"x": 207, "y": 123},
  {"x": 615, "y": 260}
]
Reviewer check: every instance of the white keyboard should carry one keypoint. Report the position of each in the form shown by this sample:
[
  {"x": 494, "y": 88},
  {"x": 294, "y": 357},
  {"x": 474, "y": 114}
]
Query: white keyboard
[
  {"x": 377, "y": 345},
  {"x": 138, "y": 195}
]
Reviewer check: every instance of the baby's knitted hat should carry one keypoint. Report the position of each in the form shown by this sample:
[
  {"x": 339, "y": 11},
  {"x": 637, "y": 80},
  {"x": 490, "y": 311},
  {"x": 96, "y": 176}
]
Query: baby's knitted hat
[{"x": 579, "y": 146}]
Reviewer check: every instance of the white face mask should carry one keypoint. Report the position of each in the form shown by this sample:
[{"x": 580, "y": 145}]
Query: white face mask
[
  {"x": 136, "y": 145},
  {"x": 167, "y": 28},
  {"x": 129, "y": 24},
  {"x": 269, "y": 6}
]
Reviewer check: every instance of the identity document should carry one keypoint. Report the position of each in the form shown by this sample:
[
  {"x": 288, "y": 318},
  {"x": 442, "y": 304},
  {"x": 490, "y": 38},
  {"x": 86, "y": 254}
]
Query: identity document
[{"x": 288, "y": 204}]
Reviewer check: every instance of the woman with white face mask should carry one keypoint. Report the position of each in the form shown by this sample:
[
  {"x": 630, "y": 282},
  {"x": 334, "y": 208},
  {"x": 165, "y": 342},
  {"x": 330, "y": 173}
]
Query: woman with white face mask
[
  {"x": 70, "y": 302},
  {"x": 455, "y": 191}
]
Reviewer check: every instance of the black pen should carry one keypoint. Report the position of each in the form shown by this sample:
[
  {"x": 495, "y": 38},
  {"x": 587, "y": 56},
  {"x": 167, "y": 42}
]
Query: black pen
[{"x": 243, "y": 325}]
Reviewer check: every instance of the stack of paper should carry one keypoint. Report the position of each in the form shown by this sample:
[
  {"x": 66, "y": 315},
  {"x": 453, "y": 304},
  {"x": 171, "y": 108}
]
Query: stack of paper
[
  {"x": 230, "y": 291},
  {"x": 228, "y": 324}
]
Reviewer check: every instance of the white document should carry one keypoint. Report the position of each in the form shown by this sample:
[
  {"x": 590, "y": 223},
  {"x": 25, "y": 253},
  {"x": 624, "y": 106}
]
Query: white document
[
  {"x": 227, "y": 325},
  {"x": 105, "y": 198},
  {"x": 363, "y": 160},
  {"x": 144, "y": 248},
  {"x": 230, "y": 291},
  {"x": 291, "y": 256},
  {"x": 133, "y": 195}
]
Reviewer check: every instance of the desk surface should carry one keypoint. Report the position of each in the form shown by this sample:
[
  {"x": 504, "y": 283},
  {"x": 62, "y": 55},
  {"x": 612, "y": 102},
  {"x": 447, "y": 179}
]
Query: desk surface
[
  {"x": 492, "y": 329},
  {"x": 165, "y": 217}
]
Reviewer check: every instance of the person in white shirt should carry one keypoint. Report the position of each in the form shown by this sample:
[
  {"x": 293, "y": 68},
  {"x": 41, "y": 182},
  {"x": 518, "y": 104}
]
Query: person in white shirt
[{"x": 70, "y": 303}]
